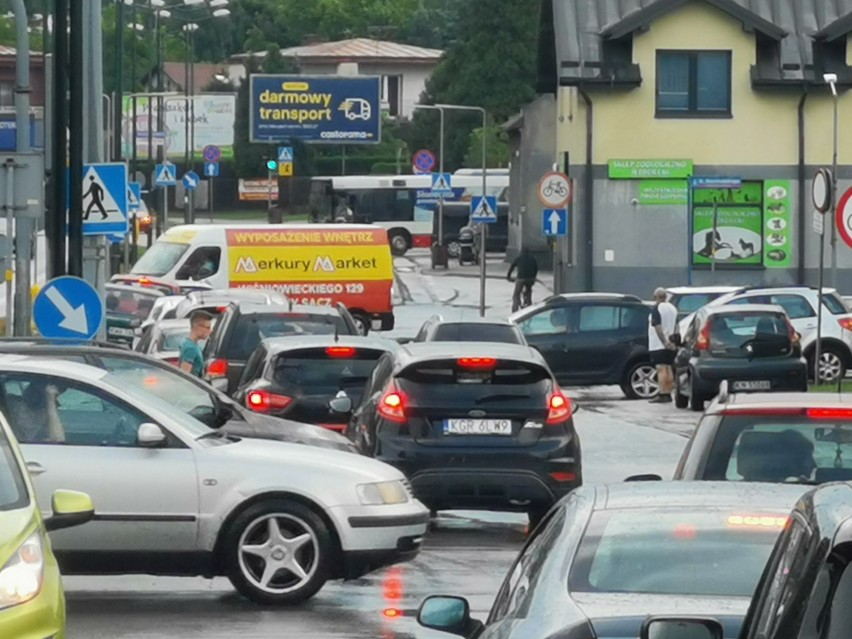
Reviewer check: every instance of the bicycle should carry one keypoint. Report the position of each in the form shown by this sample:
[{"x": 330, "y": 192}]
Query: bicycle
[{"x": 555, "y": 187}]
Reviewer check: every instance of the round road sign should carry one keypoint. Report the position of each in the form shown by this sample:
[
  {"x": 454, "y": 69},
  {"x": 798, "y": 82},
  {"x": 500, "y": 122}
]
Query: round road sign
[
  {"x": 844, "y": 217},
  {"x": 823, "y": 190},
  {"x": 212, "y": 153},
  {"x": 554, "y": 190},
  {"x": 423, "y": 161}
]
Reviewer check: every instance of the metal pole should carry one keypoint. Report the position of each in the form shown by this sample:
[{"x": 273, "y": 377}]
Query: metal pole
[
  {"x": 818, "y": 347},
  {"x": 715, "y": 226},
  {"x": 134, "y": 103},
  {"x": 187, "y": 216},
  {"x": 269, "y": 177},
  {"x": 836, "y": 181},
  {"x": 118, "y": 103},
  {"x": 482, "y": 254},
  {"x": 9, "y": 205},
  {"x": 163, "y": 218},
  {"x": 75, "y": 147},
  {"x": 192, "y": 119},
  {"x": 441, "y": 171},
  {"x": 59, "y": 160}
]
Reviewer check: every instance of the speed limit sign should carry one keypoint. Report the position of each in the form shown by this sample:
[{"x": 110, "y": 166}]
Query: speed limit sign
[
  {"x": 844, "y": 217},
  {"x": 554, "y": 190}
]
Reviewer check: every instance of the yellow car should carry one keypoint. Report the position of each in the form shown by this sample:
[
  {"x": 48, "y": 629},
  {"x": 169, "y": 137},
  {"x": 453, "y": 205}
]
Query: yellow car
[{"x": 32, "y": 601}]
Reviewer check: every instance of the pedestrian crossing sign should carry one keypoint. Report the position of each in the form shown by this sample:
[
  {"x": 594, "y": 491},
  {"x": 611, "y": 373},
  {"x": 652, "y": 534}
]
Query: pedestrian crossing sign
[
  {"x": 483, "y": 209},
  {"x": 134, "y": 195},
  {"x": 165, "y": 175},
  {"x": 106, "y": 200},
  {"x": 285, "y": 153},
  {"x": 442, "y": 185}
]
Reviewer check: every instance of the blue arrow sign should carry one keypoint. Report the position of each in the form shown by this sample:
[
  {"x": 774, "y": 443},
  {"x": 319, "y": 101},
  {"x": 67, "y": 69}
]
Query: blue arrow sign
[
  {"x": 483, "y": 209},
  {"x": 190, "y": 180},
  {"x": 68, "y": 308},
  {"x": 554, "y": 222},
  {"x": 211, "y": 169},
  {"x": 442, "y": 185},
  {"x": 165, "y": 175},
  {"x": 285, "y": 153},
  {"x": 134, "y": 195}
]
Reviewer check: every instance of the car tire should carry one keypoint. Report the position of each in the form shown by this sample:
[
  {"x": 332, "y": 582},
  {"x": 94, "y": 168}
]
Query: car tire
[
  {"x": 362, "y": 322},
  {"x": 680, "y": 400},
  {"x": 300, "y": 540},
  {"x": 399, "y": 243},
  {"x": 696, "y": 403},
  {"x": 640, "y": 381}
]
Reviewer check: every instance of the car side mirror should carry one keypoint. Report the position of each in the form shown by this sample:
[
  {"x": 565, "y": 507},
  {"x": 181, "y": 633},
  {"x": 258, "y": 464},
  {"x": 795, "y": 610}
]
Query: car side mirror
[
  {"x": 647, "y": 477},
  {"x": 681, "y": 628},
  {"x": 150, "y": 436},
  {"x": 448, "y": 614},
  {"x": 70, "y": 508},
  {"x": 341, "y": 405}
]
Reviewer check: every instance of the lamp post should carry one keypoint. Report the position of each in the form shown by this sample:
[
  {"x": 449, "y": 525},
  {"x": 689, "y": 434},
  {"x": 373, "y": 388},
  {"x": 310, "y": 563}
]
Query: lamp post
[
  {"x": 831, "y": 81},
  {"x": 483, "y": 230},
  {"x": 440, "y": 166}
]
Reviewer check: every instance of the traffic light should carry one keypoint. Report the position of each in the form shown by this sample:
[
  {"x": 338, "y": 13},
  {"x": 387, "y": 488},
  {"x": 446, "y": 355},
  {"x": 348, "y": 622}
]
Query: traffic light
[{"x": 271, "y": 165}]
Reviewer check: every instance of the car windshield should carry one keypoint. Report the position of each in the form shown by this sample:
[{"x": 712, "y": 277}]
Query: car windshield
[
  {"x": 749, "y": 335},
  {"x": 691, "y": 302},
  {"x": 701, "y": 551},
  {"x": 779, "y": 448},
  {"x": 159, "y": 259},
  {"x": 13, "y": 490},
  {"x": 317, "y": 372},
  {"x": 459, "y": 332},
  {"x": 253, "y": 328},
  {"x": 121, "y": 301}
]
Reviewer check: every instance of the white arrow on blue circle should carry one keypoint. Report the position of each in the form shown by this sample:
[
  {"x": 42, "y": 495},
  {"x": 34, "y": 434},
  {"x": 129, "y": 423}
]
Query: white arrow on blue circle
[{"x": 74, "y": 319}]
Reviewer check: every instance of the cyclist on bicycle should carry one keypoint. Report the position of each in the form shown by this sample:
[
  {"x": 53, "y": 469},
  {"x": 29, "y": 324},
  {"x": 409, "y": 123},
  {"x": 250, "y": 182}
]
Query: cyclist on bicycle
[{"x": 527, "y": 272}]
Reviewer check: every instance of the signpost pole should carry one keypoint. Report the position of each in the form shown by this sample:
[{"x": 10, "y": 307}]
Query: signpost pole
[
  {"x": 10, "y": 217},
  {"x": 715, "y": 229},
  {"x": 817, "y": 348},
  {"x": 441, "y": 171}
]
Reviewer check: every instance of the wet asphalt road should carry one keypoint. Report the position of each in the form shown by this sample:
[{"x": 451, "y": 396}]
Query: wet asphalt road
[{"x": 466, "y": 553}]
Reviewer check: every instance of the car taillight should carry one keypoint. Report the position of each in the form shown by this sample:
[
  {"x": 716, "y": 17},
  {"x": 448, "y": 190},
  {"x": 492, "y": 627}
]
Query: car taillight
[
  {"x": 830, "y": 413},
  {"x": 392, "y": 405},
  {"x": 217, "y": 368},
  {"x": 478, "y": 363},
  {"x": 767, "y": 411},
  {"x": 794, "y": 336},
  {"x": 340, "y": 352},
  {"x": 846, "y": 323},
  {"x": 703, "y": 342},
  {"x": 262, "y": 401},
  {"x": 558, "y": 408}
]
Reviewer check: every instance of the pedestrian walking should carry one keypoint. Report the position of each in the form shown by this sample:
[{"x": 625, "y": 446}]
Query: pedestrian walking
[
  {"x": 191, "y": 359},
  {"x": 661, "y": 325},
  {"x": 527, "y": 272}
]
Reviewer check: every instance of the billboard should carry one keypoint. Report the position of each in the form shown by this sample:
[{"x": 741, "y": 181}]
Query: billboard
[
  {"x": 315, "y": 109},
  {"x": 214, "y": 116}
]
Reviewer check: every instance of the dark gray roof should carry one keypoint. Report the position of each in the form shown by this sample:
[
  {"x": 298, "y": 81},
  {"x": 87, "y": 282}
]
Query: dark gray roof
[{"x": 579, "y": 32}]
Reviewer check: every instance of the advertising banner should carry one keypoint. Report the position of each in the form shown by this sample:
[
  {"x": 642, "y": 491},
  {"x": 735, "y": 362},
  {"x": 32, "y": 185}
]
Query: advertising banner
[
  {"x": 638, "y": 169},
  {"x": 738, "y": 238},
  {"x": 316, "y": 109},
  {"x": 663, "y": 192},
  {"x": 778, "y": 224},
  {"x": 258, "y": 190}
]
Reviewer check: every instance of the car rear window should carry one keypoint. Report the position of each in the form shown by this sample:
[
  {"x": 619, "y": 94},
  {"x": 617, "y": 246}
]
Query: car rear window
[
  {"x": 136, "y": 304},
  {"x": 647, "y": 550},
  {"x": 815, "y": 448},
  {"x": 321, "y": 371},
  {"x": 252, "y": 328},
  {"x": 834, "y": 303},
  {"x": 742, "y": 335},
  {"x": 690, "y": 303},
  {"x": 476, "y": 333},
  {"x": 464, "y": 381}
]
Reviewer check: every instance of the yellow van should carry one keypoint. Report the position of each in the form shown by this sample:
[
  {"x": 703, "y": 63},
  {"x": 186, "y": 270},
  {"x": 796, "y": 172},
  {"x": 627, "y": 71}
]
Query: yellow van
[
  {"x": 32, "y": 601},
  {"x": 309, "y": 263}
]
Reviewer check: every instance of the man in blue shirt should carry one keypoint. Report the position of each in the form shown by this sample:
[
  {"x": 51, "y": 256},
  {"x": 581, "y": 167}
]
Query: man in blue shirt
[{"x": 191, "y": 360}]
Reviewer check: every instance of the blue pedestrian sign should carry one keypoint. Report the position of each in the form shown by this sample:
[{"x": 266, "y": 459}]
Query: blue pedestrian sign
[
  {"x": 483, "y": 209},
  {"x": 285, "y": 153},
  {"x": 190, "y": 180},
  {"x": 68, "y": 308},
  {"x": 554, "y": 222},
  {"x": 134, "y": 195},
  {"x": 442, "y": 185},
  {"x": 106, "y": 198},
  {"x": 211, "y": 169},
  {"x": 165, "y": 175}
]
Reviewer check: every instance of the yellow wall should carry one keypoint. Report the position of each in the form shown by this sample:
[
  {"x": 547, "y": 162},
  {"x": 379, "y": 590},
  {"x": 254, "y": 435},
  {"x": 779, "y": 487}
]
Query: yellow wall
[{"x": 762, "y": 132}]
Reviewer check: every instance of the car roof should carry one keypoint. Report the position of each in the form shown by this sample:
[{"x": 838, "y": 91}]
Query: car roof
[
  {"x": 743, "y": 308},
  {"x": 277, "y": 345},
  {"x": 499, "y": 321},
  {"x": 74, "y": 370},
  {"x": 697, "y": 290},
  {"x": 592, "y": 297},
  {"x": 830, "y": 507},
  {"x": 16, "y": 344},
  {"x": 702, "y": 494},
  {"x": 424, "y": 351},
  {"x": 254, "y": 308},
  {"x": 141, "y": 290},
  {"x": 781, "y": 400}
]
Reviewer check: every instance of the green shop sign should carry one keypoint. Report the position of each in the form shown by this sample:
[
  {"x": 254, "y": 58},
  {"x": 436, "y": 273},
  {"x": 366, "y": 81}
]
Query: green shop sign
[
  {"x": 738, "y": 237},
  {"x": 639, "y": 169},
  {"x": 663, "y": 192},
  {"x": 777, "y": 224}
]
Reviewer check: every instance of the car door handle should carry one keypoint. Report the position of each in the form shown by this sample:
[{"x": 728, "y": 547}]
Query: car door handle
[{"x": 35, "y": 469}]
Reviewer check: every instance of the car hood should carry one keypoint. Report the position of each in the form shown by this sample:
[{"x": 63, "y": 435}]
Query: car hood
[
  {"x": 265, "y": 427},
  {"x": 622, "y": 614}
]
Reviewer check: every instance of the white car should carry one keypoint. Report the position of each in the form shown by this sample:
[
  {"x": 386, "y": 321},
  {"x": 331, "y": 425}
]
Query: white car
[{"x": 176, "y": 498}]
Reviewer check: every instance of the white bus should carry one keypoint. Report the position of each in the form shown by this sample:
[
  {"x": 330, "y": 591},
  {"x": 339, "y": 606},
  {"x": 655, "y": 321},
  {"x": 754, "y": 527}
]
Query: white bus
[{"x": 402, "y": 204}]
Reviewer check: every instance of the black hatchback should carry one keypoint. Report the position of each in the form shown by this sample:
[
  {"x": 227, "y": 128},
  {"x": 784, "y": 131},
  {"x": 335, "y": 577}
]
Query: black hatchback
[
  {"x": 301, "y": 377},
  {"x": 475, "y": 425},
  {"x": 753, "y": 346}
]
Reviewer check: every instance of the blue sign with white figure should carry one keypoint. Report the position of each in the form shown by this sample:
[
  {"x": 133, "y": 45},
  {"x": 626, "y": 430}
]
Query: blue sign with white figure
[
  {"x": 318, "y": 109},
  {"x": 285, "y": 153},
  {"x": 106, "y": 198},
  {"x": 483, "y": 209},
  {"x": 442, "y": 185},
  {"x": 165, "y": 175},
  {"x": 134, "y": 195},
  {"x": 190, "y": 180},
  {"x": 554, "y": 222},
  {"x": 68, "y": 308}
]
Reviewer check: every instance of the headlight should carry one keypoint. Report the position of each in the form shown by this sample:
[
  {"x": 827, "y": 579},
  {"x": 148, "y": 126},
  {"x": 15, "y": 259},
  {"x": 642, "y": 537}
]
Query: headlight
[
  {"x": 22, "y": 576},
  {"x": 386, "y": 492}
]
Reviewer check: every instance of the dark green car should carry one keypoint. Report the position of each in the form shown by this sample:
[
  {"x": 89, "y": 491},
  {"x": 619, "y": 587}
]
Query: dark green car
[{"x": 126, "y": 308}]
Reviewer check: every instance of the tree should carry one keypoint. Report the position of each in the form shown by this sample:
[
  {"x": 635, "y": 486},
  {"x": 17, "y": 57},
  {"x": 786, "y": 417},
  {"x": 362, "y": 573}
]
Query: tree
[{"x": 497, "y": 148}]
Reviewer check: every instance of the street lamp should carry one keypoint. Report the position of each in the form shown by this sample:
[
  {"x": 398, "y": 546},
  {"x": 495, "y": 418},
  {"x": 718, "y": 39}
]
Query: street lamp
[
  {"x": 440, "y": 166},
  {"x": 831, "y": 81},
  {"x": 483, "y": 232}
]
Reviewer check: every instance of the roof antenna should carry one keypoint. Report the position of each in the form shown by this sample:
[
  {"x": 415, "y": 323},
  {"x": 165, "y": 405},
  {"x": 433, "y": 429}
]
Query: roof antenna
[{"x": 336, "y": 333}]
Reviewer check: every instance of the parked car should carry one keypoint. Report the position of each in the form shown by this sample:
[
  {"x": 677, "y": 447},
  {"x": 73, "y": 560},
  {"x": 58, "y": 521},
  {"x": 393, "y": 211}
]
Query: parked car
[
  {"x": 279, "y": 520},
  {"x": 185, "y": 392},
  {"x": 593, "y": 339},
  {"x": 688, "y": 299},
  {"x": 216, "y": 302},
  {"x": 606, "y": 557},
  {"x": 806, "y": 586},
  {"x": 754, "y": 347},
  {"x": 437, "y": 329},
  {"x": 164, "y": 340},
  {"x": 301, "y": 377},
  {"x": 477, "y": 425},
  {"x": 243, "y": 325},
  {"x": 162, "y": 306},
  {"x": 32, "y": 600},
  {"x": 801, "y": 304},
  {"x": 127, "y": 308}
]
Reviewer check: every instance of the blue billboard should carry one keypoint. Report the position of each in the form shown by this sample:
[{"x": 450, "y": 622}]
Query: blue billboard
[{"x": 315, "y": 109}]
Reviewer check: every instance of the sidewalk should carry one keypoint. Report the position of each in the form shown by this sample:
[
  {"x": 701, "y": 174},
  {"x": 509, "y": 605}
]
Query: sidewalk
[{"x": 495, "y": 268}]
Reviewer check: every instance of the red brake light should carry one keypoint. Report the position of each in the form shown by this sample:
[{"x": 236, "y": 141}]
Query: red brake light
[
  {"x": 221, "y": 309},
  {"x": 703, "y": 342},
  {"x": 830, "y": 413},
  {"x": 392, "y": 405},
  {"x": 477, "y": 362},
  {"x": 685, "y": 531},
  {"x": 794, "y": 336},
  {"x": 262, "y": 401},
  {"x": 342, "y": 352},
  {"x": 764, "y": 411},
  {"x": 846, "y": 323},
  {"x": 559, "y": 408},
  {"x": 217, "y": 368}
]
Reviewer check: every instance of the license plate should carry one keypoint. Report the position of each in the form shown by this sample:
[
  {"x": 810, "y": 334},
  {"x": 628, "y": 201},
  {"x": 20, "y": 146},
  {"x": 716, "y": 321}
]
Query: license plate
[
  {"x": 121, "y": 332},
  {"x": 478, "y": 426},
  {"x": 752, "y": 385}
]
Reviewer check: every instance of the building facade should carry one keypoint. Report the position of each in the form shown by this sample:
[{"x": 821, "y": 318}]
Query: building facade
[{"x": 650, "y": 93}]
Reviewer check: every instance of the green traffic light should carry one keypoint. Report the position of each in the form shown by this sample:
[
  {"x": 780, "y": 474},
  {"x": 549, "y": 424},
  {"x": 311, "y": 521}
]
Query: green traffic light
[{"x": 272, "y": 165}]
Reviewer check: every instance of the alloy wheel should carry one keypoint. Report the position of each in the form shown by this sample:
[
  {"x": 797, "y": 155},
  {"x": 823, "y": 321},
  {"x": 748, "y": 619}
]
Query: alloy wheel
[
  {"x": 644, "y": 381},
  {"x": 830, "y": 366}
]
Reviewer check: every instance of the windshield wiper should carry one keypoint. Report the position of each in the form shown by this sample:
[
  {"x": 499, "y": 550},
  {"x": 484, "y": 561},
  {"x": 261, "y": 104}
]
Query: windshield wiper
[
  {"x": 214, "y": 434},
  {"x": 499, "y": 397}
]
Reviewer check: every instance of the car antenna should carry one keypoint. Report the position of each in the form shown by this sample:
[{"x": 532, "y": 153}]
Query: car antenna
[{"x": 336, "y": 333}]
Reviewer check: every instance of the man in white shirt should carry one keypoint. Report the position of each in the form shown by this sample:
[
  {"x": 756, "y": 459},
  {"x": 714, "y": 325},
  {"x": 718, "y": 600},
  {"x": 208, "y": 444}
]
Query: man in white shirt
[{"x": 661, "y": 325}]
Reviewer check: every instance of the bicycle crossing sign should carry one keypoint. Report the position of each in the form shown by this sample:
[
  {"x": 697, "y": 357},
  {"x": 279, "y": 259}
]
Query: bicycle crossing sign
[
  {"x": 483, "y": 209},
  {"x": 554, "y": 190}
]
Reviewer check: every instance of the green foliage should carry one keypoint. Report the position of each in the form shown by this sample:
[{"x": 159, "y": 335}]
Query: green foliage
[{"x": 497, "y": 148}]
